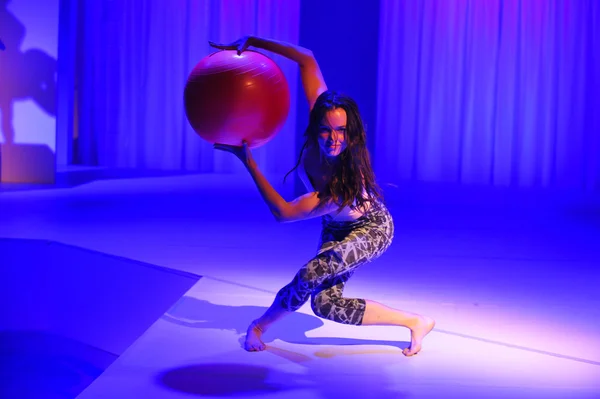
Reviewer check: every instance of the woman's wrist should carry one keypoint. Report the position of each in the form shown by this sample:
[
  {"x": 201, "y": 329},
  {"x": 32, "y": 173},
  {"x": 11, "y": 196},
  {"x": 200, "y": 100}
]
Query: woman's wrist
[
  {"x": 256, "y": 41},
  {"x": 251, "y": 164}
]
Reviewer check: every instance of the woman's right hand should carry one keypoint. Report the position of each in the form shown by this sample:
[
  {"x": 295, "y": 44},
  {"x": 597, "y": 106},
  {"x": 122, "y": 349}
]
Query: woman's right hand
[{"x": 240, "y": 44}]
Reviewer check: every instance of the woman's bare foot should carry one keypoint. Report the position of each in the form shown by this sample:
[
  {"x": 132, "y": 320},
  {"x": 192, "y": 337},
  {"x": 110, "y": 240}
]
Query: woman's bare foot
[
  {"x": 418, "y": 331},
  {"x": 253, "y": 342}
]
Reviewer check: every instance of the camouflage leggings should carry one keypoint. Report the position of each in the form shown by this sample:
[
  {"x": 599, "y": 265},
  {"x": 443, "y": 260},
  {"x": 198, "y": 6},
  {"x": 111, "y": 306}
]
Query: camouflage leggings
[{"x": 344, "y": 246}]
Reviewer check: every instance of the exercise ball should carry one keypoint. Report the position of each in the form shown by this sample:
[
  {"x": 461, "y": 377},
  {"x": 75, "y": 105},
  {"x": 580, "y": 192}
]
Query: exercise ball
[{"x": 230, "y": 98}]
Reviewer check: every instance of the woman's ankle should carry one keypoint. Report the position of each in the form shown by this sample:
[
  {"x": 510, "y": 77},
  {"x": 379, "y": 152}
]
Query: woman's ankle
[{"x": 258, "y": 326}]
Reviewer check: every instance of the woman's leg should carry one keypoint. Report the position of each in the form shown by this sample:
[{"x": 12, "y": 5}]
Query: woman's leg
[
  {"x": 365, "y": 244},
  {"x": 342, "y": 251},
  {"x": 325, "y": 276},
  {"x": 419, "y": 325},
  {"x": 329, "y": 303},
  {"x": 291, "y": 297},
  {"x": 256, "y": 329}
]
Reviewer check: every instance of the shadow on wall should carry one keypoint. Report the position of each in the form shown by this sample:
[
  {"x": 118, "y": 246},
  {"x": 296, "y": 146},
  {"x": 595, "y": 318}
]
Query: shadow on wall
[{"x": 24, "y": 75}]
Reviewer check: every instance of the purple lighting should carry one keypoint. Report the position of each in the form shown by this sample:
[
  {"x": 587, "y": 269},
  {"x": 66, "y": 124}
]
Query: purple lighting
[
  {"x": 150, "y": 265},
  {"x": 493, "y": 93}
]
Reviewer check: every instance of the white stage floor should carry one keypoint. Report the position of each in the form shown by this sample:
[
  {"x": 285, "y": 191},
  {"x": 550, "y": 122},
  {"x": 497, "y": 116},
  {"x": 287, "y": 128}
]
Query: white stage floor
[{"x": 510, "y": 277}]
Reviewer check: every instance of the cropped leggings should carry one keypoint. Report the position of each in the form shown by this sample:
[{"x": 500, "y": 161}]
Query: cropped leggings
[{"x": 343, "y": 247}]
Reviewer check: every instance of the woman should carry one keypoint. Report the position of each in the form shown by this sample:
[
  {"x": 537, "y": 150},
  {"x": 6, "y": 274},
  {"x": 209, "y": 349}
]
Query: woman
[{"x": 335, "y": 167}]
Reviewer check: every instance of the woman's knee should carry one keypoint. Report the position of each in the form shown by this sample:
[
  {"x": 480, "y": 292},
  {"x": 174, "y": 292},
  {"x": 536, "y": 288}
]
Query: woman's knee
[
  {"x": 340, "y": 310},
  {"x": 325, "y": 303},
  {"x": 316, "y": 271},
  {"x": 321, "y": 305}
]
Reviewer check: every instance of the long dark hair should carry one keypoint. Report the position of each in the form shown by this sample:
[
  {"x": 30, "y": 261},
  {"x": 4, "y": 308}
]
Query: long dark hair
[{"x": 353, "y": 178}]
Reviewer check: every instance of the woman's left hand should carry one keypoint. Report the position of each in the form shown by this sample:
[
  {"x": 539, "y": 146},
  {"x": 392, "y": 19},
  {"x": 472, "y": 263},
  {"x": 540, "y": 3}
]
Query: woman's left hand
[
  {"x": 242, "y": 152},
  {"x": 240, "y": 45}
]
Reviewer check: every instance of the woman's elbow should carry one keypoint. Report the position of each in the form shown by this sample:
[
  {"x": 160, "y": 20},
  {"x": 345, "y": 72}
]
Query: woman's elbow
[
  {"x": 286, "y": 217},
  {"x": 283, "y": 219},
  {"x": 308, "y": 53},
  {"x": 279, "y": 216},
  {"x": 281, "y": 213},
  {"x": 307, "y": 59}
]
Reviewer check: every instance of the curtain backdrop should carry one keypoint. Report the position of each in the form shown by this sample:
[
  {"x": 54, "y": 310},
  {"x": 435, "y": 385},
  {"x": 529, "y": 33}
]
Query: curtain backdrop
[
  {"x": 134, "y": 57},
  {"x": 494, "y": 92}
]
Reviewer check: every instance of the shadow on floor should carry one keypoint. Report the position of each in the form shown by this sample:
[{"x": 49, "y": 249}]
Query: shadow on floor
[
  {"x": 329, "y": 371},
  {"x": 196, "y": 313}
]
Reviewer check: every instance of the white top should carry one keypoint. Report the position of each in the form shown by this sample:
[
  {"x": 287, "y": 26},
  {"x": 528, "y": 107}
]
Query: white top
[{"x": 346, "y": 214}]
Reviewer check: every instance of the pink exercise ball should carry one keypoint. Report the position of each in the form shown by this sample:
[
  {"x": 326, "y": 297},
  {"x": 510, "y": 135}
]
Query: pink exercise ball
[{"x": 229, "y": 98}]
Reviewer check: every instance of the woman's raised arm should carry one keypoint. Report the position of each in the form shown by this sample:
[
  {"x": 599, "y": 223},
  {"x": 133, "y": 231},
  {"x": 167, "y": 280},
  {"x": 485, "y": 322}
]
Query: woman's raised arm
[{"x": 312, "y": 78}]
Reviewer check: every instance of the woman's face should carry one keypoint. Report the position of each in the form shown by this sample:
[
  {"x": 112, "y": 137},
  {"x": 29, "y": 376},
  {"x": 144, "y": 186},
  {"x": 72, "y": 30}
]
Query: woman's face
[{"x": 332, "y": 132}]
